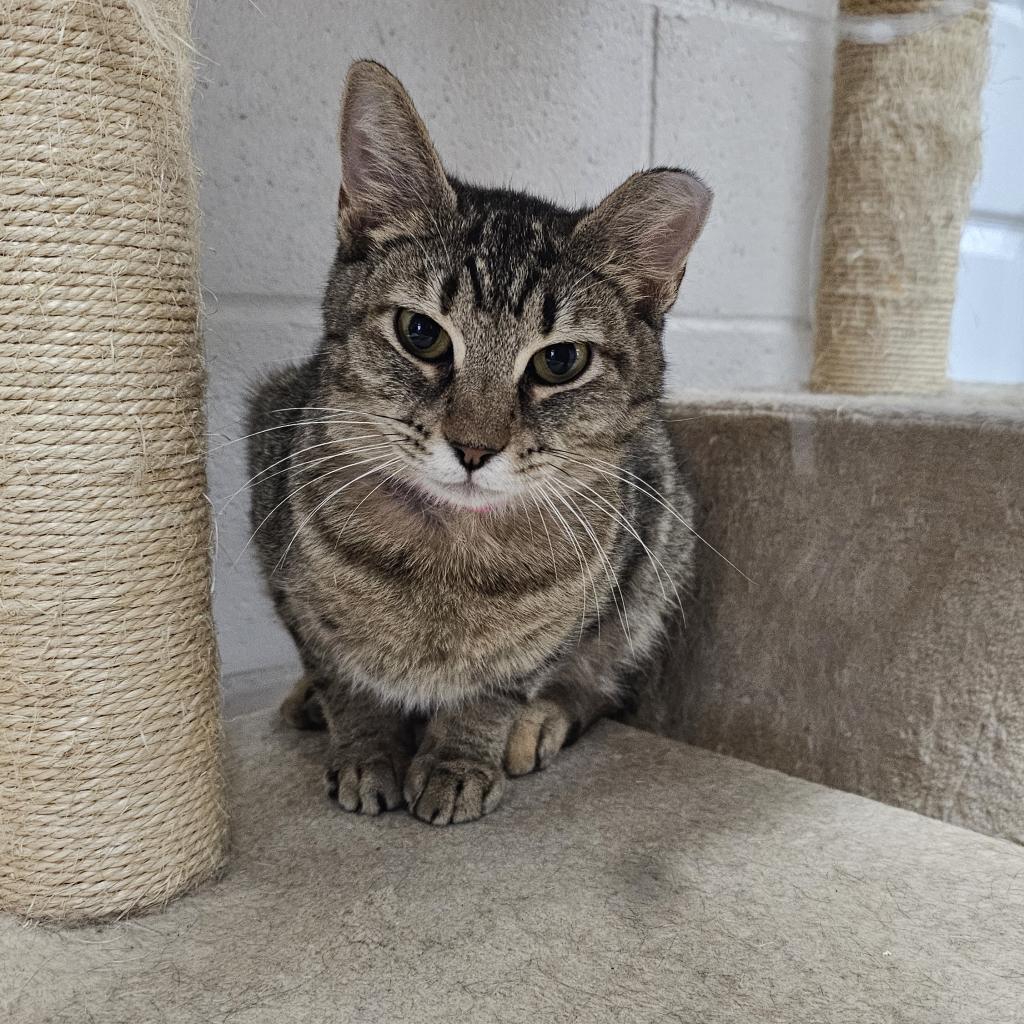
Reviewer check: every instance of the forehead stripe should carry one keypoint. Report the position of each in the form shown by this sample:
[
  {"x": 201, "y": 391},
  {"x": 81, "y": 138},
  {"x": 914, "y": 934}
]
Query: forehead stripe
[
  {"x": 476, "y": 232},
  {"x": 547, "y": 313},
  {"x": 449, "y": 289}
]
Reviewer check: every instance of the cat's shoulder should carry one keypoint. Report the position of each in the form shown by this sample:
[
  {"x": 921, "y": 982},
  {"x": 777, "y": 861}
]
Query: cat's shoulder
[
  {"x": 273, "y": 403},
  {"x": 277, "y": 394}
]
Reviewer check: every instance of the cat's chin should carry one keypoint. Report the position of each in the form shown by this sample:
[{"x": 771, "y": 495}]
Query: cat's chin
[
  {"x": 456, "y": 497},
  {"x": 466, "y": 497}
]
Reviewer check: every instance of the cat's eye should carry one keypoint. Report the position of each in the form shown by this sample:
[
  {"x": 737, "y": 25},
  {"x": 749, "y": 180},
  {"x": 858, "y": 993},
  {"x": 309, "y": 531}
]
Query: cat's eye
[
  {"x": 559, "y": 364},
  {"x": 423, "y": 337}
]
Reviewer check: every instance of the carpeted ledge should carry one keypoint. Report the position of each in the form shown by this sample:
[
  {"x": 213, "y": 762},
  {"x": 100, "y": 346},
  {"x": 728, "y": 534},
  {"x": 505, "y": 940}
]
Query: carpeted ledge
[
  {"x": 636, "y": 880},
  {"x": 881, "y": 648}
]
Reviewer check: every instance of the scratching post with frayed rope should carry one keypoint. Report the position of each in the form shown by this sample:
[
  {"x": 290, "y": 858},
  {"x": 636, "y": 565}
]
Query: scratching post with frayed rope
[
  {"x": 905, "y": 149},
  {"x": 111, "y": 795}
]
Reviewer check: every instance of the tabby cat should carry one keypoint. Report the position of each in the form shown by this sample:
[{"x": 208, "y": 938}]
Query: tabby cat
[{"x": 466, "y": 503}]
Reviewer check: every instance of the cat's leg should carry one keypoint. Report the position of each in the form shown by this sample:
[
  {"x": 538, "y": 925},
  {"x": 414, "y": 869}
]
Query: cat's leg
[
  {"x": 457, "y": 774},
  {"x": 369, "y": 744},
  {"x": 301, "y": 708},
  {"x": 554, "y": 719},
  {"x": 369, "y": 749}
]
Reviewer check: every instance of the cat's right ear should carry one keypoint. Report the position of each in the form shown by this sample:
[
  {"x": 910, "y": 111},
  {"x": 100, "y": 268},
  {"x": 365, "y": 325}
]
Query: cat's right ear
[{"x": 391, "y": 177}]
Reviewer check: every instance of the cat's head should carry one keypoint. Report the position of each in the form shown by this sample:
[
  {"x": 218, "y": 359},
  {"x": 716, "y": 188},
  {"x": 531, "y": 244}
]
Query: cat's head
[{"x": 491, "y": 335}]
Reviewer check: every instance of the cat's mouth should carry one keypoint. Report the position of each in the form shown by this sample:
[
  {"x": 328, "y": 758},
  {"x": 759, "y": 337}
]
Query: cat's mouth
[{"x": 466, "y": 496}]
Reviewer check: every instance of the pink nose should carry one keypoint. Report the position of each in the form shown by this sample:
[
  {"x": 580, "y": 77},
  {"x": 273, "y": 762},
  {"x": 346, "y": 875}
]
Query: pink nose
[{"x": 469, "y": 457}]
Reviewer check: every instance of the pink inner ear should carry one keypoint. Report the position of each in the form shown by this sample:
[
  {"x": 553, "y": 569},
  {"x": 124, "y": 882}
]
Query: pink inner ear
[
  {"x": 389, "y": 168},
  {"x": 359, "y": 164},
  {"x": 667, "y": 248},
  {"x": 647, "y": 228},
  {"x": 674, "y": 217}
]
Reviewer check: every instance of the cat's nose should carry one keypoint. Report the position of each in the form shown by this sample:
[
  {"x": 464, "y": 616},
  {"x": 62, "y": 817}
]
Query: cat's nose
[{"x": 471, "y": 458}]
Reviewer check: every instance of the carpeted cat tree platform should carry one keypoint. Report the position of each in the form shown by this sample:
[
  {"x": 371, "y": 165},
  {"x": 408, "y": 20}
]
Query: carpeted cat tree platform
[
  {"x": 877, "y": 653},
  {"x": 881, "y": 644},
  {"x": 638, "y": 879}
]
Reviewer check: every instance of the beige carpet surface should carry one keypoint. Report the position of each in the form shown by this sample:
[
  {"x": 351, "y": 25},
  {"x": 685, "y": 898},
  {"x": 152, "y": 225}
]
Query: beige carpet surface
[
  {"x": 880, "y": 648},
  {"x": 636, "y": 880}
]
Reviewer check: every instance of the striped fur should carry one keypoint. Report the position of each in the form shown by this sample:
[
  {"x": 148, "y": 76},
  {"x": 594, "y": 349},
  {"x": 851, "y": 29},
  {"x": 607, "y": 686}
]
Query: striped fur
[{"x": 496, "y": 626}]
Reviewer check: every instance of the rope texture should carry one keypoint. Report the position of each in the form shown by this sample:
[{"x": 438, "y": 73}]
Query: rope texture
[
  {"x": 111, "y": 793},
  {"x": 905, "y": 150}
]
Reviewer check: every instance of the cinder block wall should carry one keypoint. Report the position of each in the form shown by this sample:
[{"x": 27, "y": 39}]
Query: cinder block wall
[{"x": 563, "y": 98}]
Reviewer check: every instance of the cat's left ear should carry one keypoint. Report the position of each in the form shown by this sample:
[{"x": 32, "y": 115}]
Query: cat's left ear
[{"x": 644, "y": 231}]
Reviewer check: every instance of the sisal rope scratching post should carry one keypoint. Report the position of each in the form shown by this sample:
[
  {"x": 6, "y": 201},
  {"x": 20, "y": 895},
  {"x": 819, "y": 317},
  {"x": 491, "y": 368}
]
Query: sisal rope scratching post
[
  {"x": 905, "y": 149},
  {"x": 110, "y": 778}
]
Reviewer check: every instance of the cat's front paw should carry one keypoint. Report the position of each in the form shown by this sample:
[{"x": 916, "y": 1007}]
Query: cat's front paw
[
  {"x": 364, "y": 782},
  {"x": 301, "y": 708},
  {"x": 541, "y": 729},
  {"x": 445, "y": 791}
]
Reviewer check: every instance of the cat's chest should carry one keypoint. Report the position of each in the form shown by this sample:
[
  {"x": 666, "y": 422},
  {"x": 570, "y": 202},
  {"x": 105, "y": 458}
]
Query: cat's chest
[{"x": 393, "y": 607}]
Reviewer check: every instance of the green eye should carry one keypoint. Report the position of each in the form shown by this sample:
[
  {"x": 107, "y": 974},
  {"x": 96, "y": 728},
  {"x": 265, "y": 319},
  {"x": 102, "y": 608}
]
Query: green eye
[
  {"x": 559, "y": 364},
  {"x": 421, "y": 336}
]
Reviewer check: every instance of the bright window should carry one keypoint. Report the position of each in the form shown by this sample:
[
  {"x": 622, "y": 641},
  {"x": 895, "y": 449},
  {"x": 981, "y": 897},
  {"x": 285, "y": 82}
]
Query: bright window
[{"x": 988, "y": 320}]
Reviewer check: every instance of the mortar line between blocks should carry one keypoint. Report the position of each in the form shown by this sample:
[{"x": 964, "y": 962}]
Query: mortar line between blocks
[
  {"x": 652, "y": 99},
  {"x": 738, "y": 323},
  {"x": 253, "y": 304},
  {"x": 758, "y": 8},
  {"x": 767, "y": 6}
]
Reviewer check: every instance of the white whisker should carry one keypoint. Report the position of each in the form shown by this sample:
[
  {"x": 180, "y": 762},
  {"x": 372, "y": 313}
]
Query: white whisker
[
  {"x": 288, "y": 498},
  {"x": 526, "y": 516},
  {"x": 287, "y": 426},
  {"x": 304, "y": 465},
  {"x": 651, "y": 492},
  {"x": 373, "y": 490},
  {"x": 375, "y": 469},
  {"x": 340, "y": 412},
  {"x": 617, "y": 598},
  {"x": 610, "y": 509},
  {"x": 585, "y": 573},
  {"x": 547, "y": 533}
]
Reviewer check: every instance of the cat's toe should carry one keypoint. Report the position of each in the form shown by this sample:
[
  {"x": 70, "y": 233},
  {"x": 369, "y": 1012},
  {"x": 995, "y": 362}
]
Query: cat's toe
[
  {"x": 444, "y": 792},
  {"x": 539, "y": 733},
  {"x": 365, "y": 786}
]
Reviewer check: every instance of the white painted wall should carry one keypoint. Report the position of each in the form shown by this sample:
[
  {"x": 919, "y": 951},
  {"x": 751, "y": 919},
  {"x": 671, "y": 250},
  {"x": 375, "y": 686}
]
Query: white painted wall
[{"x": 566, "y": 98}]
